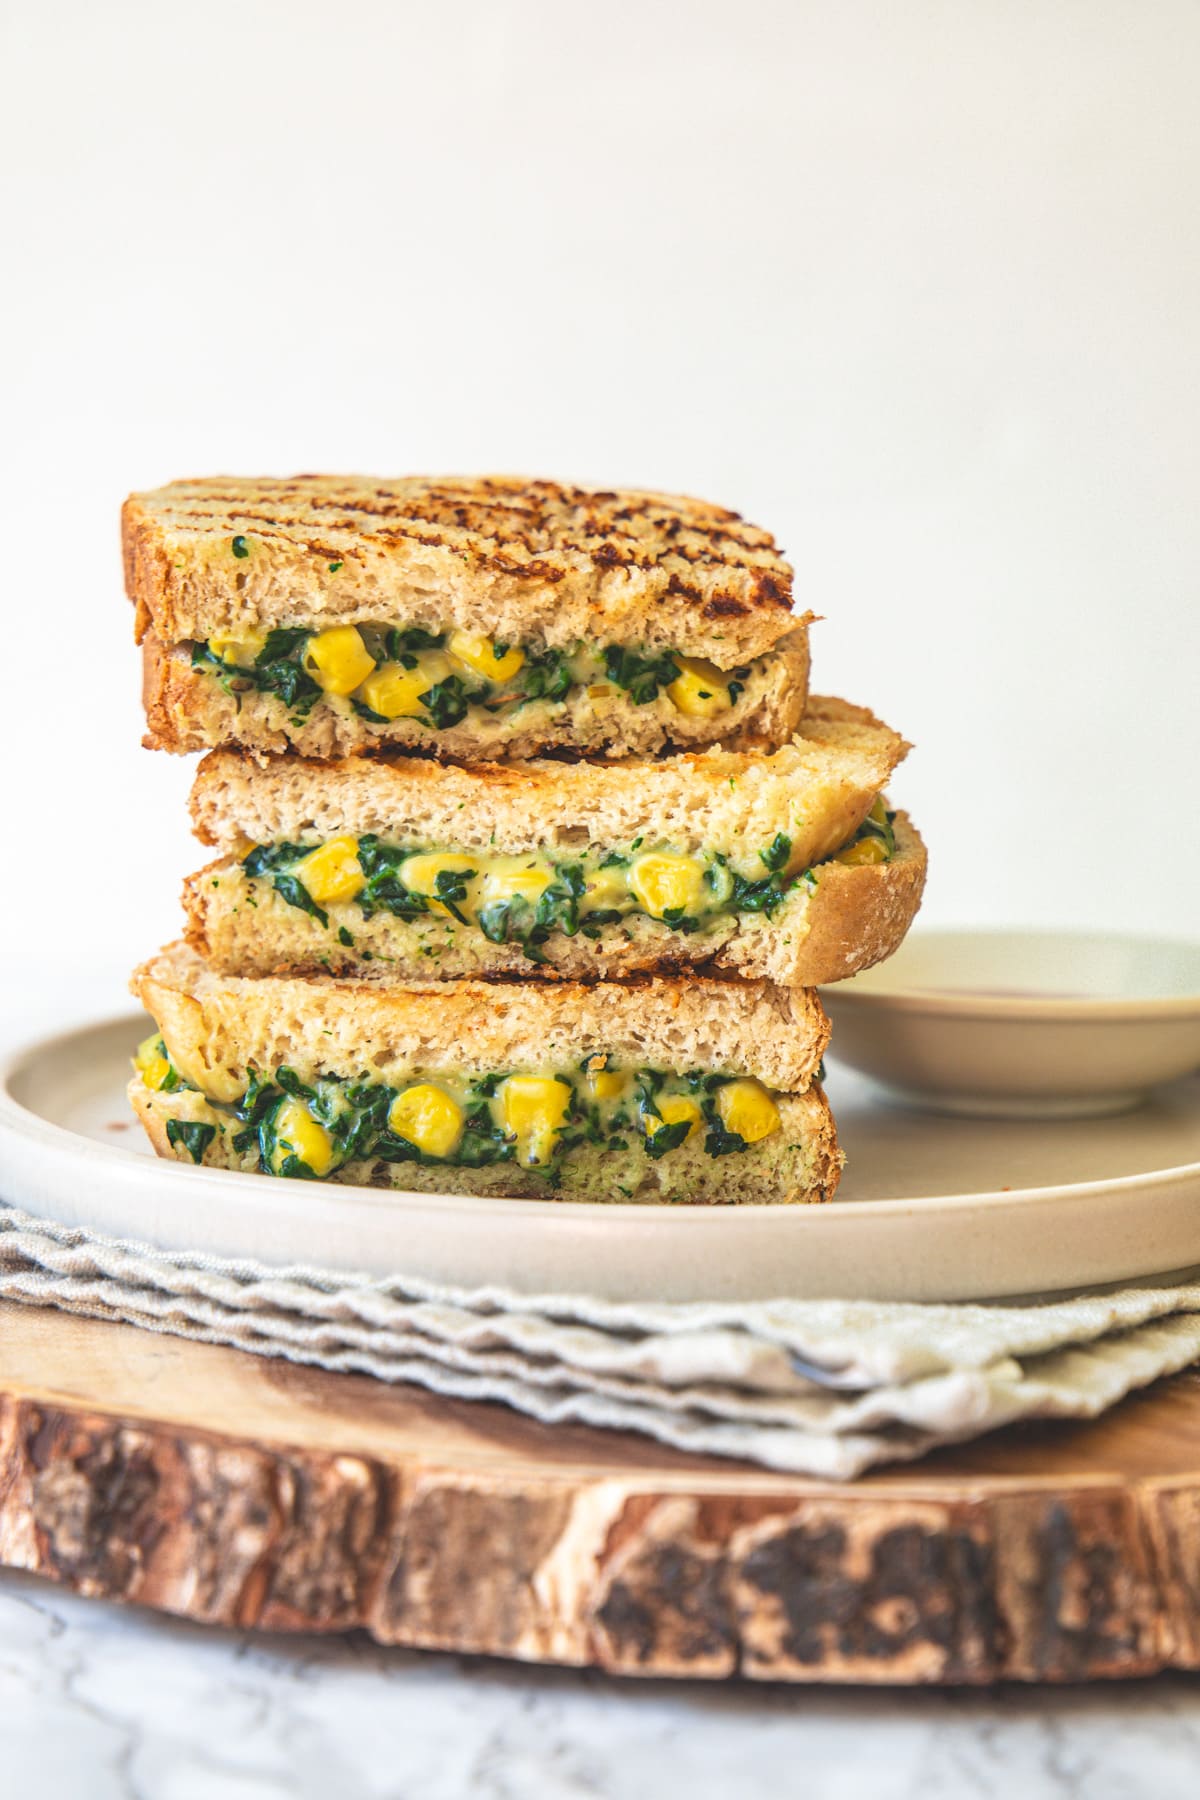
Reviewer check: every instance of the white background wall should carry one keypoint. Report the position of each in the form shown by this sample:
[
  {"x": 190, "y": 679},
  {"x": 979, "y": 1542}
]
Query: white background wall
[{"x": 916, "y": 285}]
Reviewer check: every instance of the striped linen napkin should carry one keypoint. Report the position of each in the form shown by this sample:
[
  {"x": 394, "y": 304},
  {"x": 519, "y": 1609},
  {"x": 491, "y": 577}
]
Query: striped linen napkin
[{"x": 818, "y": 1387}]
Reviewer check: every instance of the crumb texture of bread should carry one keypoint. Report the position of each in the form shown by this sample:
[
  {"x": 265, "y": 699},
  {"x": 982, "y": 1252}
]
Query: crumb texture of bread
[
  {"x": 187, "y": 709},
  {"x": 799, "y": 1164},
  {"x": 817, "y": 789},
  {"x": 854, "y": 917},
  {"x": 218, "y": 1027},
  {"x": 515, "y": 559}
]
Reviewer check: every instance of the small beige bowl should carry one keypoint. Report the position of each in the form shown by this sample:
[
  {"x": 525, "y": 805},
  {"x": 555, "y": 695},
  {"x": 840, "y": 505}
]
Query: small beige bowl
[{"x": 1022, "y": 1024}]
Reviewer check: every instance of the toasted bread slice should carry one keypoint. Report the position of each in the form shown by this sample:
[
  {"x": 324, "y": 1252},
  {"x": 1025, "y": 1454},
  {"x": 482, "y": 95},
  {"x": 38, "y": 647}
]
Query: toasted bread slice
[
  {"x": 239, "y": 1056},
  {"x": 218, "y": 1027},
  {"x": 510, "y": 558},
  {"x": 818, "y": 788},
  {"x": 188, "y": 709},
  {"x": 844, "y": 920},
  {"x": 814, "y": 793},
  {"x": 480, "y": 618}
]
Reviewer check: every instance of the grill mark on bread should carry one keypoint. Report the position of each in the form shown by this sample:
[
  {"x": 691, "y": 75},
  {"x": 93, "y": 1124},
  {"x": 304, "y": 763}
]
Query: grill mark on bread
[
  {"x": 568, "y": 521},
  {"x": 269, "y": 529},
  {"x": 518, "y": 561},
  {"x": 279, "y": 527},
  {"x": 279, "y": 522}
]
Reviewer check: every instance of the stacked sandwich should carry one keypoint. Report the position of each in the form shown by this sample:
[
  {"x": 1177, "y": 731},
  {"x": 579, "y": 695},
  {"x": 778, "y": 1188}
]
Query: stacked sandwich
[{"x": 532, "y": 847}]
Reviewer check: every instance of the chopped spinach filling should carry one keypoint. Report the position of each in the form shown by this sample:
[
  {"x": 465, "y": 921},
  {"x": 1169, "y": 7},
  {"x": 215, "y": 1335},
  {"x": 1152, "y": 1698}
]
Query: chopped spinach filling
[
  {"x": 306, "y": 1130},
  {"x": 192, "y": 1134},
  {"x": 880, "y": 825},
  {"x": 452, "y": 672},
  {"x": 525, "y": 900},
  {"x": 277, "y": 669},
  {"x": 641, "y": 675}
]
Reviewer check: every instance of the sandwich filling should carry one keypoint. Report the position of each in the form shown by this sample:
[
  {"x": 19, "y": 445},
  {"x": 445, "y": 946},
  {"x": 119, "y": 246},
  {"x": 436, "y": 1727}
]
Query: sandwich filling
[
  {"x": 381, "y": 673},
  {"x": 525, "y": 899},
  {"x": 285, "y": 1126}
]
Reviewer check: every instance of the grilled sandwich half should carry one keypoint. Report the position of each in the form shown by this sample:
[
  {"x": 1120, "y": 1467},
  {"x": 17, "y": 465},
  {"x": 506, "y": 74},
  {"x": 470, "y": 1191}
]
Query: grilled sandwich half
[
  {"x": 786, "y": 866},
  {"x": 697, "y": 1092},
  {"x": 477, "y": 618}
]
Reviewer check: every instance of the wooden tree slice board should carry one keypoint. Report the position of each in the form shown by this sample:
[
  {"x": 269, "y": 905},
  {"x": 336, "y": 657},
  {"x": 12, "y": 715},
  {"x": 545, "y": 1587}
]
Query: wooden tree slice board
[{"x": 244, "y": 1491}]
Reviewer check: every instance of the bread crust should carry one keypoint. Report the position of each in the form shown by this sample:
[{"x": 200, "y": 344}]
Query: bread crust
[
  {"x": 511, "y": 557},
  {"x": 187, "y": 710},
  {"x": 816, "y": 790},
  {"x": 854, "y": 917},
  {"x": 803, "y": 1171},
  {"x": 859, "y": 916},
  {"x": 217, "y": 1027}
]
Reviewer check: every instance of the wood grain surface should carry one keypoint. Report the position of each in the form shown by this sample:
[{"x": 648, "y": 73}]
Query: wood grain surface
[{"x": 239, "y": 1490}]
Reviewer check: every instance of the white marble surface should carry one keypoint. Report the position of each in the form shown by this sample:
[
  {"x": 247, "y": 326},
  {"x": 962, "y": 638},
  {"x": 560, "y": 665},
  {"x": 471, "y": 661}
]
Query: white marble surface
[{"x": 110, "y": 1704}]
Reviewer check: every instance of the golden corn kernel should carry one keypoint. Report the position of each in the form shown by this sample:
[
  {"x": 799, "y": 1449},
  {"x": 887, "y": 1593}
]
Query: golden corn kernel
[
  {"x": 512, "y": 884},
  {"x": 863, "y": 852},
  {"x": 428, "y": 1117},
  {"x": 420, "y": 875},
  {"x": 662, "y": 882},
  {"x": 216, "y": 1081},
  {"x": 480, "y": 656},
  {"x": 701, "y": 689},
  {"x": 338, "y": 660},
  {"x": 151, "y": 1061},
  {"x": 673, "y": 1109},
  {"x": 241, "y": 649},
  {"x": 605, "y": 890},
  {"x": 607, "y": 1084},
  {"x": 332, "y": 871},
  {"x": 394, "y": 692},
  {"x": 297, "y": 1133},
  {"x": 534, "y": 1109},
  {"x": 746, "y": 1107}
]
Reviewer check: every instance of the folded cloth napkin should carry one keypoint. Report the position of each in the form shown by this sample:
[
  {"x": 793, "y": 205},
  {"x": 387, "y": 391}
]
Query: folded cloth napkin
[{"x": 815, "y": 1387}]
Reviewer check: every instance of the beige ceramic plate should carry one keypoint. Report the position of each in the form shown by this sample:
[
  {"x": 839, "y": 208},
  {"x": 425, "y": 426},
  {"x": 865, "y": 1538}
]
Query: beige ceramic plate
[{"x": 930, "y": 1208}]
